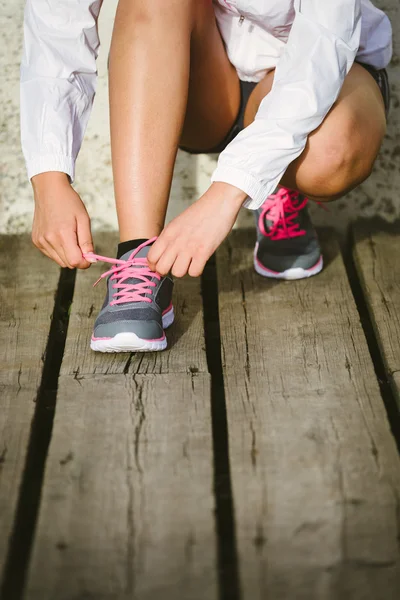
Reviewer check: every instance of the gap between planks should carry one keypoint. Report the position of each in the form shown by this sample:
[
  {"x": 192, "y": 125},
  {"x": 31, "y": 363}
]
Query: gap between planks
[
  {"x": 375, "y": 247},
  {"x": 28, "y": 287}
]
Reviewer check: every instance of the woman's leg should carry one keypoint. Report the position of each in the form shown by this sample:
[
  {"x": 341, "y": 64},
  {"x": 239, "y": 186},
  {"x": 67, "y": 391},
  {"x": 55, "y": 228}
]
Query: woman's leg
[
  {"x": 170, "y": 80},
  {"x": 340, "y": 153}
]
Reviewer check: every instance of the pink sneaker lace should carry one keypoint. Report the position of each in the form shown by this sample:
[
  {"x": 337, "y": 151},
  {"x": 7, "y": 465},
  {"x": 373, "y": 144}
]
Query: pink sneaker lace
[
  {"x": 122, "y": 270},
  {"x": 282, "y": 209}
]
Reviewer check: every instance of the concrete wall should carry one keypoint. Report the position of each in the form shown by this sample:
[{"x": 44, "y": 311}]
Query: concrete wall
[{"x": 378, "y": 196}]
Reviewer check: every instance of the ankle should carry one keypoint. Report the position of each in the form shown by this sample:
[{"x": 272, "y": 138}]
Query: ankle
[
  {"x": 141, "y": 235},
  {"x": 143, "y": 232}
]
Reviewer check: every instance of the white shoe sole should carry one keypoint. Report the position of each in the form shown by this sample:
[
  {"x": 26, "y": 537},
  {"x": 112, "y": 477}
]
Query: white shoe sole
[
  {"x": 130, "y": 342},
  {"x": 289, "y": 274}
]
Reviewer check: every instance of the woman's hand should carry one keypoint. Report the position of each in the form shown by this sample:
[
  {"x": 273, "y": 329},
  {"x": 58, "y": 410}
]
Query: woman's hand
[
  {"x": 61, "y": 224},
  {"x": 185, "y": 245}
]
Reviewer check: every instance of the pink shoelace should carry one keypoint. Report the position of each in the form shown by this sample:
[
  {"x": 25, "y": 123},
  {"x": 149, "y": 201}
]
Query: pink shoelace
[
  {"x": 122, "y": 270},
  {"x": 282, "y": 209}
]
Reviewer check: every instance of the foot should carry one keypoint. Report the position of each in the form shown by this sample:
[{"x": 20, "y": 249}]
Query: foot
[
  {"x": 287, "y": 245},
  {"x": 137, "y": 308}
]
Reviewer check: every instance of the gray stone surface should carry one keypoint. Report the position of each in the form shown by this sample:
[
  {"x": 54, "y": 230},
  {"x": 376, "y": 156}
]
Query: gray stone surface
[{"x": 377, "y": 196}]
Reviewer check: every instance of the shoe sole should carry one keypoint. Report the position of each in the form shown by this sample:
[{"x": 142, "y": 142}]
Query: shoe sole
[
  {"x": 130, "y": 342},
  {"x": 289, "y": 274}
]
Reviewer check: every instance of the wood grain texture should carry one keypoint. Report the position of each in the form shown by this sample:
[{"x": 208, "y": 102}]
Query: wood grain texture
[
  {"x": 315, "y": 471},
  {"x": 376, "y": 259},
  {"x": 28, "y": 283},
  {"x": 186, "y": 346},
  {"x": 127, "y": 506}
]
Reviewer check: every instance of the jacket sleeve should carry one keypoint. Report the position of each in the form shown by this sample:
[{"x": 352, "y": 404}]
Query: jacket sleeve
[
  {"x": 58, "y": 81},
  {"x": 319, "y": 53}
]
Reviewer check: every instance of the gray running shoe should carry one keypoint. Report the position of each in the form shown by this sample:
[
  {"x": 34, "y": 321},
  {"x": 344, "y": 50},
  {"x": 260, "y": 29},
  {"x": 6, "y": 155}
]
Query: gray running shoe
[
  {"x": 137, "y": 308},
  {"x": 287, "y": 245}
]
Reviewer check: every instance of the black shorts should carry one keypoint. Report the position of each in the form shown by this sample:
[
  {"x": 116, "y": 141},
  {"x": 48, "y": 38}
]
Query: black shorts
[{"x": 246, "y": 87}]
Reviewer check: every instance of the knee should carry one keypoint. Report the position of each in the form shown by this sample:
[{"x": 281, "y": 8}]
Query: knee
[
  {"x": 344, "y": 161},
  {"x": 340, "y": 168}
]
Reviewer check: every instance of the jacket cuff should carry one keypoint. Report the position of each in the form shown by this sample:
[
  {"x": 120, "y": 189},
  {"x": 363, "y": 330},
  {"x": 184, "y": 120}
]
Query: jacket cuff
[
  {"x": 51, "y": 162},
  {"x": 257, "y": 192}
]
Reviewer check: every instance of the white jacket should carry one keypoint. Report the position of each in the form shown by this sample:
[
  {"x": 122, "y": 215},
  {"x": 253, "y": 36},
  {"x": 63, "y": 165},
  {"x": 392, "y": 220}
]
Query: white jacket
[{"x": 311, "y": 43}]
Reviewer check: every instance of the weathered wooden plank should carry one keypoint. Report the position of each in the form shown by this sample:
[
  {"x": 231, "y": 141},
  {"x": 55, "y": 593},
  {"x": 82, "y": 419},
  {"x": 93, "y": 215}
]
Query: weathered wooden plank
[
  {"x": 127, "y": 506},
  {"x": 376, "y": 259},
  {"x": 186, "y": 344},
  {"x": 315, "y": 471},
  {"x": 28, "y": 283}
]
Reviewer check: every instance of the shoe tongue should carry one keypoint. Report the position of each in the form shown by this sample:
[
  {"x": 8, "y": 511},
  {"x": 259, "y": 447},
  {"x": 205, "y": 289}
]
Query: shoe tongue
[
  {"x": 143, "y": 252},
  {"x": 291, "y": 219}
]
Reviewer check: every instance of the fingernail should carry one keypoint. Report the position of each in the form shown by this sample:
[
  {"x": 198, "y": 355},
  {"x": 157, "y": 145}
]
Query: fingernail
[{"x": 89, "y": 257}]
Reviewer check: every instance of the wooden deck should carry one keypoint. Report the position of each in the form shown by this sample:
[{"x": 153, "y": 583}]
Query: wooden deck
[{"x": 256, "y": 458}]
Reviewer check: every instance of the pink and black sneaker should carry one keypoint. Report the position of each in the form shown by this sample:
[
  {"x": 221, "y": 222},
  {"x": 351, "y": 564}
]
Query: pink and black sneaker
[
  {"x": 137, "y": 308},
  {"x": 287, "y": 245}
]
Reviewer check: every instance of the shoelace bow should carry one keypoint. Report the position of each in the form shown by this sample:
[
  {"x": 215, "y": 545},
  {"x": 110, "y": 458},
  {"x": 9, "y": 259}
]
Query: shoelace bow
[
  {"x": 122, "y": 270},
  {"x": 282, "y": 209}
]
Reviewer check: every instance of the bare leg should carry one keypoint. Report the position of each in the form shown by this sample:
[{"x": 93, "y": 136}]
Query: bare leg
[
  {"x": 167, "y": 61},
  {"x": 340, "y": 154}
]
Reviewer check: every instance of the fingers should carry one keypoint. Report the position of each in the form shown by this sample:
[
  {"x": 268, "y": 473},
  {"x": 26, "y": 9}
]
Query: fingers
[
  {"x": 156, "y": 251},
  {"x": 62, "y": 232},
  {"x": 181, "y": 265},
  {"x": 196, "y": 267},
  {"x": 164, "y": 264},
  {"x": 162, "y": 255},
  {"x": 73, "y": 253},
  {"x": 170, "y": 253},
  {"x": 49, "y": 251},
  {"x": 168, "y": 258},
  {"x": 85, "y": 241},
  {"x": 63, "y": 248}
]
